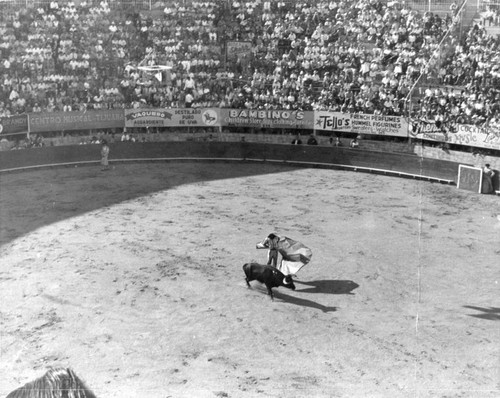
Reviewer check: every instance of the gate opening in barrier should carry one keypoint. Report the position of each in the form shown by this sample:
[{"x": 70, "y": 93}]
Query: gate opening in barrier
[{"x": 470, "y": 178}]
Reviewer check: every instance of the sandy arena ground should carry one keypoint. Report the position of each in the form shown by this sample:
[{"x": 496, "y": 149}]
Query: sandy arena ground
[{"x": 133, "y": 277}]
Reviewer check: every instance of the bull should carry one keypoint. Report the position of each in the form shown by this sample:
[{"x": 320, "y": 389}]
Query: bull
[{"x": 267, "y": 275}]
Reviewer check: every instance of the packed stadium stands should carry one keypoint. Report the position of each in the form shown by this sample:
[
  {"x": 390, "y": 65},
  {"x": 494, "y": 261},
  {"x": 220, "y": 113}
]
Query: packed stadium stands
[{"x": 350, "y": 56}]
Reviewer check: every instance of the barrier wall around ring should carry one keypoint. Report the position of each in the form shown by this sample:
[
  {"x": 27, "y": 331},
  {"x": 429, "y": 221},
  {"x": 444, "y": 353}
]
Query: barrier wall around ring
[{"x": 394, "y": 162}]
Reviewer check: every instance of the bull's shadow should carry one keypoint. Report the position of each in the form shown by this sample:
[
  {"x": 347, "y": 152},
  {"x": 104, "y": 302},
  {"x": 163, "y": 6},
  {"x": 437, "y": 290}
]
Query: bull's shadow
[{"x": 327, "y": 286}]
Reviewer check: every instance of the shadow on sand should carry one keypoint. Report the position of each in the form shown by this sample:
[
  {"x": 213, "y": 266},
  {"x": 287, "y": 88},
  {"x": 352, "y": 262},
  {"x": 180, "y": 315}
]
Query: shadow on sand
[
  {"x": 303, "y": 302},
  {"x": 327, "y": 286},
  {"x": 491, "y": 314},
  {"x": 60, "y": 193}
]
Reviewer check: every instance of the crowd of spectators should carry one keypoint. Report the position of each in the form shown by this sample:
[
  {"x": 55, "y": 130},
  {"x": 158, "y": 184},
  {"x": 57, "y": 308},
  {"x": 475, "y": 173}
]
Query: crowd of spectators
[
  {"x": 32, "y": 141},
  {"x": 469, "y": 83},
  {"x": 339, "y": 55}
]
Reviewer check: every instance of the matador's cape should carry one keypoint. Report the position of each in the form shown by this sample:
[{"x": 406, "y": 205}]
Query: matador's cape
[{"x": 294, "y": 254}]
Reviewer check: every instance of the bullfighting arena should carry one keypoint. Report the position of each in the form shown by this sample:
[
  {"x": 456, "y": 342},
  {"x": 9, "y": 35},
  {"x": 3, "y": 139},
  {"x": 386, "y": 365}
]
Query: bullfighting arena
[{"x": 133, "y": 277}]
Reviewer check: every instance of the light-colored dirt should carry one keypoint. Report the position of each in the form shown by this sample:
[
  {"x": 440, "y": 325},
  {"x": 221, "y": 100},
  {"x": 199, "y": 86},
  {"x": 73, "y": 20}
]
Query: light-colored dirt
[{"x": 133, "y": 278}]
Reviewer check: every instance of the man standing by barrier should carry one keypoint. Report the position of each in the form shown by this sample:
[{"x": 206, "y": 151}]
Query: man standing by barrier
[
  {"x": 104, "y": 155},
  {"x": 488, "y": 174}
]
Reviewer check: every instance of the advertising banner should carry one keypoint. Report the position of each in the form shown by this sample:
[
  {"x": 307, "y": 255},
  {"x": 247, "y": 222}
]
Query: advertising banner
[
  {"x": 186, "y": 117},
  {"x": 263, "y": 118},
  {"x": 332, "y": 121},
  {"x": 459, "y": 134},
  {"x": 427, "y": 130},
  {"x": 379, "y": 124},
  {"x": 476, "y": 136},
  {"x": 17, "y": 124},
  {"x": 62, "y": 121}
]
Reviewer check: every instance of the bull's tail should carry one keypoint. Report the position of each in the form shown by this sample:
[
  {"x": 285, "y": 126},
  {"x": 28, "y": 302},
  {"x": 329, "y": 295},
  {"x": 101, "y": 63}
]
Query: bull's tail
[{"x": 247, "y": 273}]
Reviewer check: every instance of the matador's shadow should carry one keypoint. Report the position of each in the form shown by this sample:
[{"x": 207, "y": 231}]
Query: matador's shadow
[
  {"x": 491, "y": 314},
  {"x": 303, "y": 302},
  {"x": 327, "y": 286}
]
